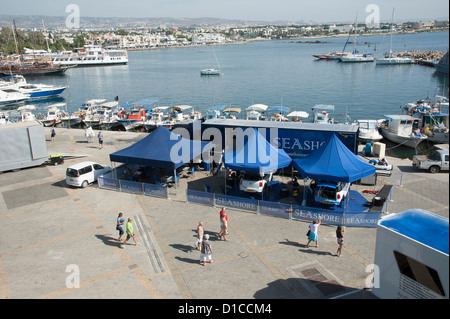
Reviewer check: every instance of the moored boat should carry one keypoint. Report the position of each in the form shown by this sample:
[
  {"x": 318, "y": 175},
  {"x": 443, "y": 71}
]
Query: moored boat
[{"x": 399, "y": 129}]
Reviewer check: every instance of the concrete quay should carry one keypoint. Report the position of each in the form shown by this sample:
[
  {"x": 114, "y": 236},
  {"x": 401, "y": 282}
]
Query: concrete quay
[{"x": 60, "y": 242}]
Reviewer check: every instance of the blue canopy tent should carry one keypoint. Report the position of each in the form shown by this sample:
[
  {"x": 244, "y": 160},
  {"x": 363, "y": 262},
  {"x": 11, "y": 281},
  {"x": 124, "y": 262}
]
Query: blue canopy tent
[
  {"x": 333, "y": 162},
  {"x": 162, "y": 149},
  {"x": 256, "y": 155}
]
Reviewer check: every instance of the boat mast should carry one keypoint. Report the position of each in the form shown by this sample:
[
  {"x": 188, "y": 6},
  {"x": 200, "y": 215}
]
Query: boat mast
[
  {"x": 392, "y": 29},
  {"x": 18, "y": 41}
]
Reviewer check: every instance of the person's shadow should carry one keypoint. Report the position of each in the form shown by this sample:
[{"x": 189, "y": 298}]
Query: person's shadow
[{"x": 108, "y": 240}]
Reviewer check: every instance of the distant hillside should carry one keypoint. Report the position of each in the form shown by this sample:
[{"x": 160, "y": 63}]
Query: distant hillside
[{"x": 52, "y": 22}]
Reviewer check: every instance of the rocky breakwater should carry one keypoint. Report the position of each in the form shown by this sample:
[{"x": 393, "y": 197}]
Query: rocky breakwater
[{"x": 423, "y": 57}]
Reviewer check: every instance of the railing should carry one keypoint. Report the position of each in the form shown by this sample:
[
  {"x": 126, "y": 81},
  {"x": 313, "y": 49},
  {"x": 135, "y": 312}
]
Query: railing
[
  {"x": 282, "y": 210},
  {"x": 133, "y": 187}
]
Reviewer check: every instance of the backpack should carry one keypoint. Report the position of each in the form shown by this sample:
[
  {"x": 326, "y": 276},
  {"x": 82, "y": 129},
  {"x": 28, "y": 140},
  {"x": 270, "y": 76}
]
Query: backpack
[{"x": 206, "y": 249}]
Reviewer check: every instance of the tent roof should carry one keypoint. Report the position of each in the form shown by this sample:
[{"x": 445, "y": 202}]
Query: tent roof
[
  {"x": 256, "y": 156},
  {"x": 334, "y": 162},
  {"x": 163, "y": 149}
]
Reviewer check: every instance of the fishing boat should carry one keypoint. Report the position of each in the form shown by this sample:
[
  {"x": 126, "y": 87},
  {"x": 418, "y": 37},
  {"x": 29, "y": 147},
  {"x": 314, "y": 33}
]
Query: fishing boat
[
  {"x": 134, "y": 119},
  {"x": 368, "y": 131},
  {"x": 232, "y": 113},
  {"x": 277, "y": 113},
  {"x": 215, "y": 112},
  {"x": 33, "y": 91},
  {"x": 298, "y": 116},
  {"x": 433, "y": 118},
  {"x": 157, "y": 118},
  {"x": 256, "y": 112},
  {"x": 400, "y": 129},
  {"x": 91, "y": 55},
  {"x": 322, "y": 112},
  {"x": 54, "y": 115},
  {"x": 101, "y": 114},
  {"x": 26, "y": 113}
]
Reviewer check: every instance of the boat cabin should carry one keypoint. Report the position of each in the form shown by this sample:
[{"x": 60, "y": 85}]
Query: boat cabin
[{"x": 402, "y": 125}]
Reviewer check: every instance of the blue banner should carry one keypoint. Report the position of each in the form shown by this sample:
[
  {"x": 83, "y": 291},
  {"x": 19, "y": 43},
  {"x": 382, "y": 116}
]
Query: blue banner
[
  {"x": 108, "y": 183},
  {"x": 131, "y": 187},
  {"x": 309, "y": 214},
  {"x": 362, "y": 219},
  {"x": 275, "y": 209},
  {"x": 237, "y": 202},
  {"x": 155, "y": 190},
  {"x": 200, "y": 197}
]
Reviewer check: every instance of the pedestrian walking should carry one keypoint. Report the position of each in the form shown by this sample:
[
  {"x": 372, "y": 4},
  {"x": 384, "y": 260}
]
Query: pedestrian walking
[
  {"x": 206, "y": 251},
  {"x": 223, "y": 225},
  {"x": 100, "y": 139},
  {"x": 130, "y": 233},
  {"x": 52, "y": 135},
  {"x": 340, "y": 240},
  {"x": 313, "y": 233},
  {"x": 119, "y": 227},
  {"x": 200, "y": 231}
]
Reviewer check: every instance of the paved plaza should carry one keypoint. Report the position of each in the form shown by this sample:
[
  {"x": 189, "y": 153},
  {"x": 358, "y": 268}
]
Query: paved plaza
[{"x": 55, "y": 237}]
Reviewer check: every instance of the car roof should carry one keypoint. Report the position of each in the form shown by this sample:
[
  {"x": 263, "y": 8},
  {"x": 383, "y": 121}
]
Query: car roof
[{"x": 83, "y": 164}]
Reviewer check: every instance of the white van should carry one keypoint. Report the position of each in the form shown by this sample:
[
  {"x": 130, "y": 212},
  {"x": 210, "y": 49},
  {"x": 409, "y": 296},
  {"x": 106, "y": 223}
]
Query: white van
[{"x": 83, "y": 174}]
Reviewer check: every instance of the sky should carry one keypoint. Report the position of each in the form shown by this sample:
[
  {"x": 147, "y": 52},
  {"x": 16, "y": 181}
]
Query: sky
[{"x": 251, "y": 10}]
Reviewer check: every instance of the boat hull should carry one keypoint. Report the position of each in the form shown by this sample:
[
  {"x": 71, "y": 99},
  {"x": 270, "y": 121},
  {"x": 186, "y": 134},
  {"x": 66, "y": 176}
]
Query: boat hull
[
  {"x": 47, "y": 93},
  {"x": 408, "y": 141}
]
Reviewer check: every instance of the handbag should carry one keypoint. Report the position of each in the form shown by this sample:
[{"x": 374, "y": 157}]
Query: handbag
[{"x": 307, "y": 234}]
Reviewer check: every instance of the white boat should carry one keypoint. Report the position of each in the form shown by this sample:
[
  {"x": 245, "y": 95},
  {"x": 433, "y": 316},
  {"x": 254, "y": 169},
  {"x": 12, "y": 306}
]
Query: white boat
[
  {"x": 11, "y": 97},
  {"x": 231, "y": 113},
  {"x": 215, "y": 112},
  {"x": 298, "y": 116},
  {"x": 26, "y": 113},
  {"x": 277, "y": 113},
  {"x": 158, "y": 116},
  {"x": 368, "y": 131},
  {"x": 322, "y": 113},
  {"x": 389, "y": 59},
  {"x": 433, "y": 118},
  {"x": 33, "y": 91},
  {"x": 54, "y": 115},
  {"x": 102, "y": 114},
  {"x": 399, "y": 129},
  {"x": 210, "y": 71},
  {"x": 134, "y": 119},
  {"x": 256, "y": 112},
  {"x": 92, "y": 55},
  {"x": 357, "y": 58},
  {"x": 4, "y": 119}
]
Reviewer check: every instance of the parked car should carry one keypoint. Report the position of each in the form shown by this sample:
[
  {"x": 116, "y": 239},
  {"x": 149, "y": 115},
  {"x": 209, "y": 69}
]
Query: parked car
[
  {"x": 330, "y": 193},
  {"x": 83, "y": 174},
  {"x": 254, "y": 183}
]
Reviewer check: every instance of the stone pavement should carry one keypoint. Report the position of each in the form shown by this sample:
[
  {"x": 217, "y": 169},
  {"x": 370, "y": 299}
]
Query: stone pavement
[{"x": 55, "y": 236}]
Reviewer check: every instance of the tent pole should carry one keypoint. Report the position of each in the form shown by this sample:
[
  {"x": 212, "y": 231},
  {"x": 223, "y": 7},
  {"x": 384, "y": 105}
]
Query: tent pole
[{"x": 175, "y": 180}]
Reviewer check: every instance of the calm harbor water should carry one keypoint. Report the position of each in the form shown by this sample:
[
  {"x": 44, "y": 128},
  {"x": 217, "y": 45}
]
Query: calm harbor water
[{"x": 268, "y": 72}]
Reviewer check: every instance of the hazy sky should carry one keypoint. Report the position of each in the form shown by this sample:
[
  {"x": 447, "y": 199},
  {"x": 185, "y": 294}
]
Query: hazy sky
[{"x": 267, "y": 10}]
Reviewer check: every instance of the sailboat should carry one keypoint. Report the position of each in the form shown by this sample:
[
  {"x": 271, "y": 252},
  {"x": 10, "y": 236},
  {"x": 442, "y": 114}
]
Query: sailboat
[
  {"x": 212, "y": 70},
  {"x": 356, "y": 56},
  {"x": 389, "y": 58}
]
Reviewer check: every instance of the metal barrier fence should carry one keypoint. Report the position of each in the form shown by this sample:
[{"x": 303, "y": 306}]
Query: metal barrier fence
[
  {"x": 133, "y": 187},
  {"x": 282, "y": 210}
]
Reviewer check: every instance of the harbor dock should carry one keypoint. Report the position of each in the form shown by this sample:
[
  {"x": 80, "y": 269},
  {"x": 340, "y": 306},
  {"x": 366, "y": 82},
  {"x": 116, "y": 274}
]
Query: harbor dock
[{"x": 53, "y": 232}]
